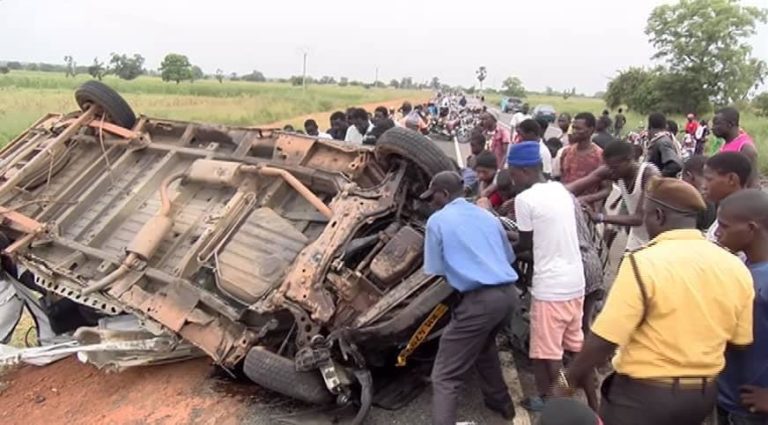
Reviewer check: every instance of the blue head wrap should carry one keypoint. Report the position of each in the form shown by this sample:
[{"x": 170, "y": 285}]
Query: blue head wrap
[{"x": 524, "y": 154}]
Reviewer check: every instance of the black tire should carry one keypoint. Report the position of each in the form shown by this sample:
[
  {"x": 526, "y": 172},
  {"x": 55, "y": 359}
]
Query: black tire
[
  {"x": 277, "y": 373},
  {"x": 100, "y": 95},
  {"x": 410, "y": 145}
]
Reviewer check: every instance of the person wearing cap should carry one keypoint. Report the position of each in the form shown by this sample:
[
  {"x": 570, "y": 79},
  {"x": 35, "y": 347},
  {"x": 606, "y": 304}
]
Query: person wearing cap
[
  {"x": 530, "y": 131},
  {"x": 476, "y": 262},
  {"x": 500, "y": 138},
  {"x": 743, "y": 385},
  {"x": 671, "y": 324},
  {"x": 546, "y": 218}
]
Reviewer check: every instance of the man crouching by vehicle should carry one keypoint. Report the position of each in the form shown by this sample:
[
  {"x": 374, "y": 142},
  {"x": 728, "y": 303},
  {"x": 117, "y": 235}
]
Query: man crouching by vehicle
[{"x": 476, "y": 262}]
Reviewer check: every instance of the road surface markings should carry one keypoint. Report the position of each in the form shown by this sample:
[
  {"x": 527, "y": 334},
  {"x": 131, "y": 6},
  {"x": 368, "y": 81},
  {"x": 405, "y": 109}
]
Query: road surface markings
[
  {"x": 498, "y": 114},
  {"x": 459, "y": 159}
]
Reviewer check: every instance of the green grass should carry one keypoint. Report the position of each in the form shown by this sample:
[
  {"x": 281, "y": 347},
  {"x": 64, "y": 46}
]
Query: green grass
[
  {"x": 26, "y": 96},
  {"x": 757, "y": 127}
]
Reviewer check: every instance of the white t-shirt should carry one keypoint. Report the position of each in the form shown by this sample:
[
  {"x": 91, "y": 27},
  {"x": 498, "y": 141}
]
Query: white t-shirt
[
  {"x": 546, "y": 159},
  {"x": 547, "y": 210},
  {"x": 556, "y": 165},
  {"x": 353, "y": 134},
  {"x": 517, "y": 118}
]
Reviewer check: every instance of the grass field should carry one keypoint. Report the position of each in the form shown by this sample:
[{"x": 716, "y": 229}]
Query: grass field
[
  {"x": 25, "y": 96},
  {"x": 757, "y": 127}
]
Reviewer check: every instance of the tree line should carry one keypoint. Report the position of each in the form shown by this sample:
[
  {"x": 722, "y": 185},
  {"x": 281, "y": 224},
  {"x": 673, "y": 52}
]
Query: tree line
[{"x": 706, "y": 60}]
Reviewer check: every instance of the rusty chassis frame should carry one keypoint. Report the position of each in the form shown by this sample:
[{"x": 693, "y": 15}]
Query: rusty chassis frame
[{"x": 171, "y": 300}]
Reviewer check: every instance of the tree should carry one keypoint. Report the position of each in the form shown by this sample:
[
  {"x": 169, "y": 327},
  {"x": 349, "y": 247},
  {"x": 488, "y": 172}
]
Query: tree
[
  {"x": 326, "y": 79},
  {"x": 513, "y": 87},
  {"x": 760, "y": 103},
  {"x": 298, "y": 80},
  {"x": 394, "y": 84},
  {"x": 97, "y": 69},
  {"x": 220, "y": 75},
  {"x": 175, "y": 67},
  {"x": 255, "y": 76},
  {"x": 343, "y": 81},
  {"x": 233, "y": 77},
  {"x": 13, "y": 65},
  {"x": 71, "y": 70},
  {"x": 197, "y": 73},
  {"x": 125, "y": 67},
  {"x": 407, "y": 83},
  {"x": 709, "y": 39},
  {"x": 482, "y": 73},
  {"x": 4, "y": 69},
  {"x": 435, "y": 83},
  {"x": 657, "y": 90}
]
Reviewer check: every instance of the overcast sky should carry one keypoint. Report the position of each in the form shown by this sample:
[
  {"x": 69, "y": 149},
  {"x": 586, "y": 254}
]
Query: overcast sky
[{"x": 557, "y": 43}]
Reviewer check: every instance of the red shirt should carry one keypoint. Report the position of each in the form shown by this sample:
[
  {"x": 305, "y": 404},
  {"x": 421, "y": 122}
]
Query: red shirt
[
  {"x": 495, "y": 199},
  {"x": 576, "y": 163},
  {"x": 691, "y": 127},
  {"x": 499, "y": 144}
]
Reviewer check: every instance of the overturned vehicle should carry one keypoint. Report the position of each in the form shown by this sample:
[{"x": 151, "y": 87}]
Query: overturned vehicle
[{"x": 294, "y": 259}]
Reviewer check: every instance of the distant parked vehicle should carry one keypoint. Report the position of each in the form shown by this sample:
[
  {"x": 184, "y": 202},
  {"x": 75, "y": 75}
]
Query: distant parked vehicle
[
  {"x": 510, "y": 105},
  {"x": 545, "y": 111}
]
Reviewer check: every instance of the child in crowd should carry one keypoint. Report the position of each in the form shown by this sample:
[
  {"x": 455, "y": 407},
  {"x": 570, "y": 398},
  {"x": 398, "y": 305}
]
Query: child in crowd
[
  {"x": 486, "y": 169},
  {"x": 477, "y": 145}
]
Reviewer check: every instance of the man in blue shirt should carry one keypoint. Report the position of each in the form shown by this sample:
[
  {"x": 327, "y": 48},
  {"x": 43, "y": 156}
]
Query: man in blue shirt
[
  {"x": 743, "y": 384},
  {"x": 468, "y": 246}
]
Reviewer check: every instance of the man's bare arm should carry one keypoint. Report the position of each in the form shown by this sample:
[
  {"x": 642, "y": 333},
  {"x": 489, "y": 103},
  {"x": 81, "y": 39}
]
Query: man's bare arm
[{"x": 750, "y": 152}]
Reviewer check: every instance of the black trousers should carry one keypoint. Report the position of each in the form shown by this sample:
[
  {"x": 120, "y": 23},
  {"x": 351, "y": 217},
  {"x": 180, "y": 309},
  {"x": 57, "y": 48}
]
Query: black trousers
[
  {"x": 469, "y": 341},
  {"x": 627, "y": 401}
]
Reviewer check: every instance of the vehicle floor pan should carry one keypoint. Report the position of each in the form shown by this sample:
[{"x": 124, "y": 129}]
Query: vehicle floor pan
[{"x": 256, "y": 257}]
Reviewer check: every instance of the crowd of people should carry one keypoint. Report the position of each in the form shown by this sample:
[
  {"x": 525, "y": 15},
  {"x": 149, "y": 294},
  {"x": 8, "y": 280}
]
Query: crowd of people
[
  {"x": 357, "y": 126},
  {"x": 685, "y": 321}
]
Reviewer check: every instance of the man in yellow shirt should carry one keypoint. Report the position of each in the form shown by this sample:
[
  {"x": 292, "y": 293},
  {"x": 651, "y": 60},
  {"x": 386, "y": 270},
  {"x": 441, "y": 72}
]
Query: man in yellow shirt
[{"x": 674, "y": 306}]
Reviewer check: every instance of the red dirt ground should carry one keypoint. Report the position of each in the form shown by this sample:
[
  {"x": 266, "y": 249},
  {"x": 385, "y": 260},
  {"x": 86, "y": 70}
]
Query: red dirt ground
[{"x": 74, "y": 393}]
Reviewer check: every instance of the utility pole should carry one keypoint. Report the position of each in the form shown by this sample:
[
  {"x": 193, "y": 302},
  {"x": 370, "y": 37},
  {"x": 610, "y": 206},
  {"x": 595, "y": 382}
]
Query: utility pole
[
  {"x": 304, "y": 74},
  {"x": 376, "y": 82}
]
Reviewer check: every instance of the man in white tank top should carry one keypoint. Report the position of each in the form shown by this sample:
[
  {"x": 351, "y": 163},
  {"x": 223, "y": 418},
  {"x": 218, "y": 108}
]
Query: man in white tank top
[{"x": 632, "y": 177}]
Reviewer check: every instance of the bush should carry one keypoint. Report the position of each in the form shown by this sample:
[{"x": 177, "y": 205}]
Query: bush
[
  {"x": 4, "y": 69},
  {"x": 760, "y": 103}
]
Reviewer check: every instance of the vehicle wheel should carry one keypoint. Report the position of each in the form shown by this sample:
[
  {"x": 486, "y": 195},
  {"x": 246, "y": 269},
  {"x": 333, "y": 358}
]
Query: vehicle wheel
[
  {"x": 100, "y": 95},
  {"x": 277, "y": 373},
  {"x": 410, "y": 145}
]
